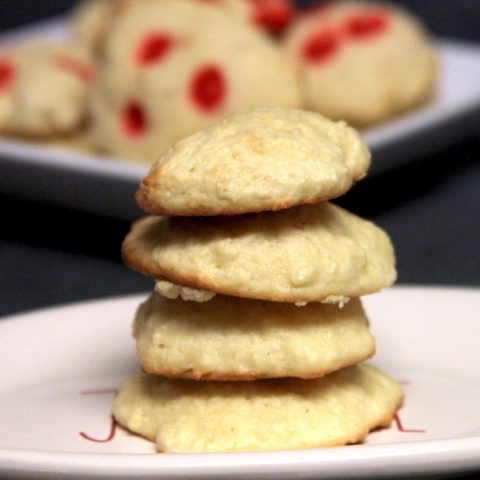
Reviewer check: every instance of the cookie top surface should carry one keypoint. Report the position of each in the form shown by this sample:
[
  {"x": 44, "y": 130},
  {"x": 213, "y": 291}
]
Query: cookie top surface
[
  {"x": 189, "y": 416},
  {"x": 362, "y": 62},
  {"x": 268, "y": 159},
  {"x": 43, "y": 90},
  {"x": 229, "y": 338},
  {"x": 171, "y": 68},
  {"x": 309, "y": 253}
]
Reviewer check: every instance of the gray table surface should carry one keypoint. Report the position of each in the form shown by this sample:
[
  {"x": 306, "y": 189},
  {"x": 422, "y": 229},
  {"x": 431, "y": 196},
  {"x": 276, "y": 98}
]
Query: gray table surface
[{"x": 430, "y": 207}]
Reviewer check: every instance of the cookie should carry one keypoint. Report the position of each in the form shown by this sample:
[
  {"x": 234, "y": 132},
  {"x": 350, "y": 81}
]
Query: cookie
[
  {"x": 267, "y": 159},
  {"x": 173, "y": 67},
  {"x": 89, "y": 24},
  {"x": 235, "y": 339},
  {"x": 272, "y": 16},
  {"x": 43, "y": 91},
  {"x": 91, "y": 19},
  {"x": 309, "y": 253},
  {"x": 173, "y": 291},
  {"x": 187, "y": 416},
  {"x": 362, "y": 62}
]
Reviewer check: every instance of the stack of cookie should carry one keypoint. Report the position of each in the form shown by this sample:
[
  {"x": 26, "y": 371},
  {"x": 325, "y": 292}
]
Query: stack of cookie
[{"x": 254, "y": 336}]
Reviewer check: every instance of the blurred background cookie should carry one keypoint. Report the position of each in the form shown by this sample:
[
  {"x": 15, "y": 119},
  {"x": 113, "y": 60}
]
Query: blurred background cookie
[
  {"x": 273, "y": 16},
  {"x": 362, "y": 62},
  {"x": 44, "y": 91},
  {"x": 172, "y": 67},
  {"x": 90, "y": 19},
  {"x": 89, "y": 24}
]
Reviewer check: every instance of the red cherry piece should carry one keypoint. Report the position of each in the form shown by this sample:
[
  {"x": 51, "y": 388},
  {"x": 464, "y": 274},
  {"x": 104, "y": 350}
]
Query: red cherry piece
[
  {"x": 319, "y": 8},
  {"x": 366, "y": 25},
  {"x": 133, "y": 120},
  {"x": 320, "y": 46},
  {"x": 75, "y": 66},
  {"x": 154, "y": 48},
  {"x": 7, "y": 74},
  {"x": 208, "y": 88},
  {"x": 272, "y": 15}
]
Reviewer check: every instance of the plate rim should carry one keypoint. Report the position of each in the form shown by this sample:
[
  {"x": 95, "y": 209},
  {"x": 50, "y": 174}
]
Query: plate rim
[{"x": 461, "y": 454}]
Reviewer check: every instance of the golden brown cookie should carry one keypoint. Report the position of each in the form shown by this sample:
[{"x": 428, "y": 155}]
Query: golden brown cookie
[
  {"x": 188, "y": 416},
  {"x": 312, "y": 253},
  {"x": 268, "y": 159},
  {"x": 236, "y": 339}
]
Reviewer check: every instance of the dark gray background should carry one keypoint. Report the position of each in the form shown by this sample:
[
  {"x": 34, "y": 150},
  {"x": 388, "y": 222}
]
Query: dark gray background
[{"x": 453, "y": 18}]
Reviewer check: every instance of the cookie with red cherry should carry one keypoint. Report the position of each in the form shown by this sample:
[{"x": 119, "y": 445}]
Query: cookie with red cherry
[
  {"x": 172, "y": 67},
  {"x": 362, "y": 62},
  {"x": 91, "y": 20},
  {"x": 43, "y": 90}
]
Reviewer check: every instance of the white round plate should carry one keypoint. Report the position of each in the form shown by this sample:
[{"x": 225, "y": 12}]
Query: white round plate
[{"x": 60, "y": 367}]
